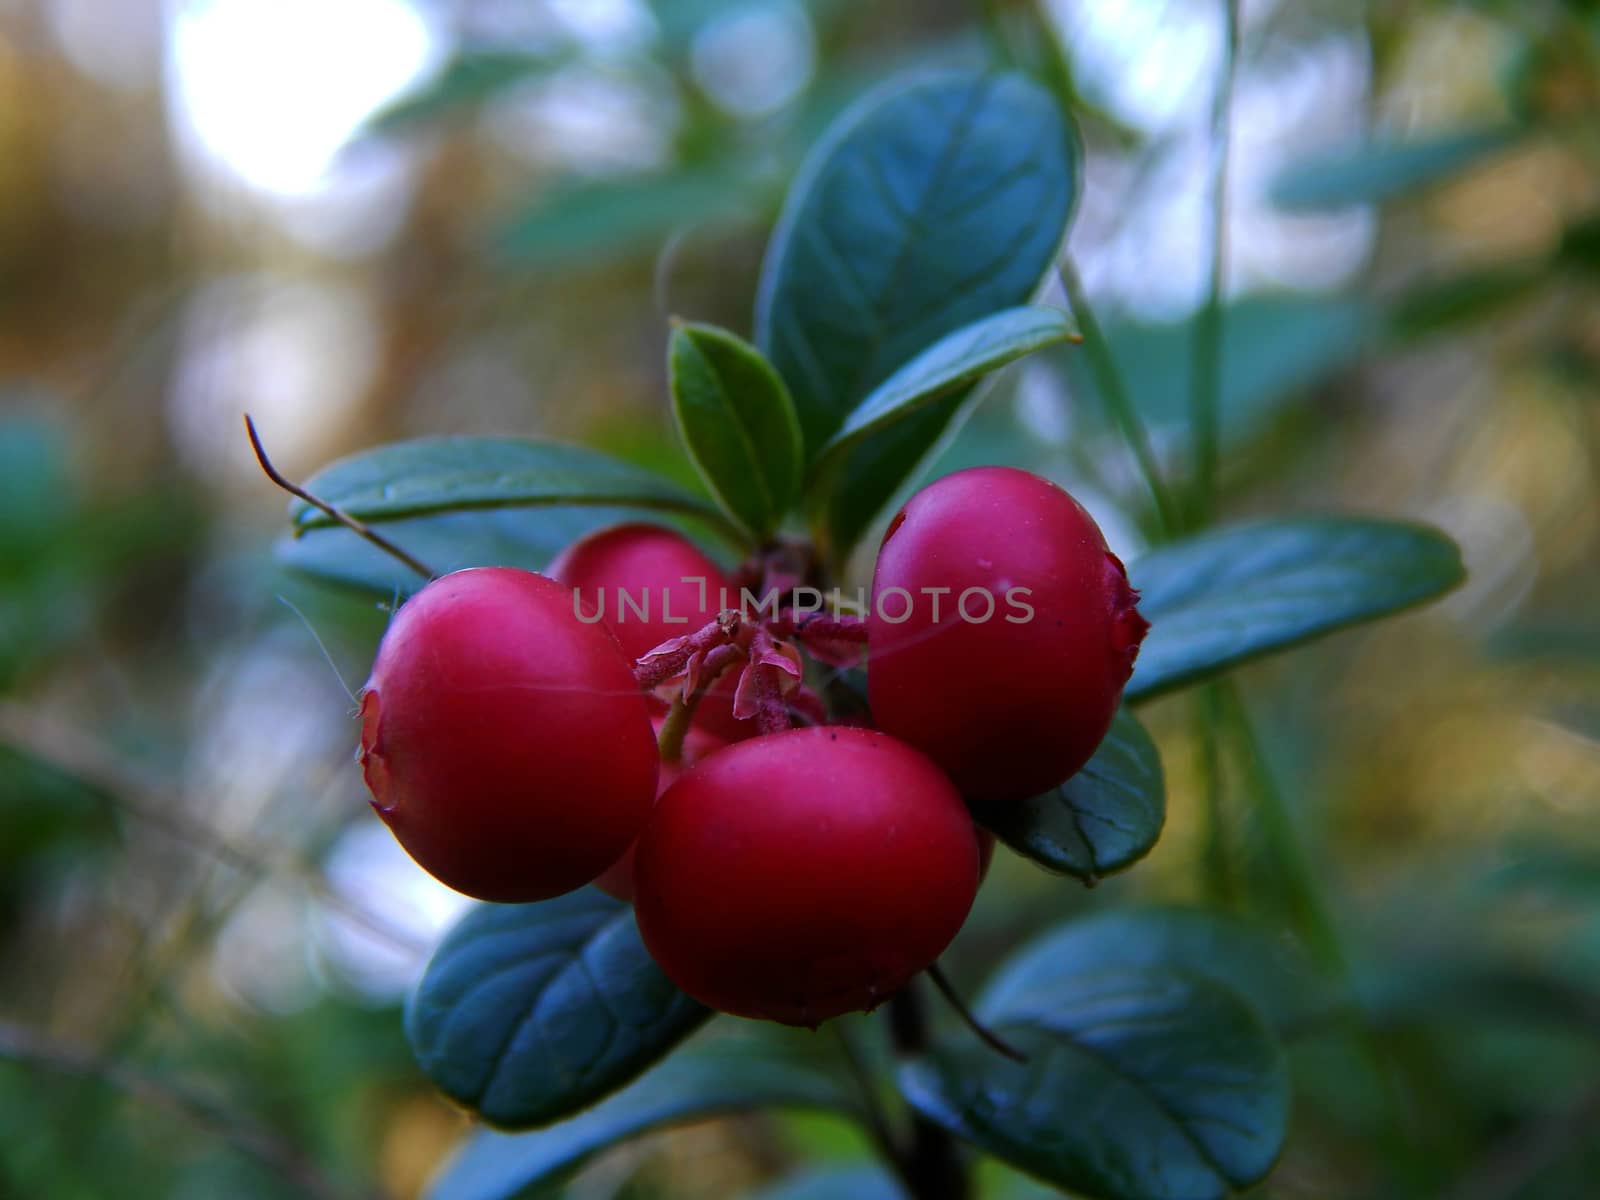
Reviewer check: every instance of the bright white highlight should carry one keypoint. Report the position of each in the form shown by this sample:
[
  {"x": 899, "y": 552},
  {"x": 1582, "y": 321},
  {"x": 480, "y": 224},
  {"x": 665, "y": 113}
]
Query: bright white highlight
[{"x": 272, "y": 89}]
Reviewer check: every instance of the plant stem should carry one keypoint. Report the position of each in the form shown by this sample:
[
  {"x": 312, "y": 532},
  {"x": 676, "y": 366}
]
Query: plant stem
[
  {"x": 359, "y": 528},
  {"x": 991, "y": 1039},
  {"x": 1119, "y": 404},
  {"x": 930, "y": 1165},
  {"x": 1305, "y": 898},
  {"x": 1207, "y": 382}
]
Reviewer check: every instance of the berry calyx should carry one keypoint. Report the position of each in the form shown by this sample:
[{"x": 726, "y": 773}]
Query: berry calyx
[
  {"x": 801, "y": 875},
  {"x": 1001, "y": 633},
  {"x": 503, "y": 740}
]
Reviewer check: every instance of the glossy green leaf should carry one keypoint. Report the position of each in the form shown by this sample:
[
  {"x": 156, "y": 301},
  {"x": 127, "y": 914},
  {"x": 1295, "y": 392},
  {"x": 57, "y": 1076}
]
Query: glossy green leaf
[
  {"x": 713, "y": 1078},
  {"x": 1265, "y": 967},
  {"x": 1138, "y": 1085},
  {"x": 1105, "y": 818},
  {"x": 954, "y": 362},
  {"x": 1382, "y": 170},
  {"x": 507, "y": 537},
  {"x": 451, "y": 474},
  {"x": 1221, "y": 598},
  {"x": 738, "y": 423},
  {"x": 931, "y": 204},
  {"x": 529, "y": 1012}
]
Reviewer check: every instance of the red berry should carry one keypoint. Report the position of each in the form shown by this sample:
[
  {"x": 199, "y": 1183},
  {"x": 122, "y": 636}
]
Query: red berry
[
  {"x": 648, "y": 584},
  {"x": 617, "y": 879},
  {"x": 1019, "y": 630},
  {"x": 504, "y": 741},
  {"x": 804, "y": 874}
]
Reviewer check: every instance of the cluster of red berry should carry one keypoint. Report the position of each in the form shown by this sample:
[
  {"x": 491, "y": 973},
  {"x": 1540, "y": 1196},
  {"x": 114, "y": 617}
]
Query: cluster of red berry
[{"x": 782, "y": 865}]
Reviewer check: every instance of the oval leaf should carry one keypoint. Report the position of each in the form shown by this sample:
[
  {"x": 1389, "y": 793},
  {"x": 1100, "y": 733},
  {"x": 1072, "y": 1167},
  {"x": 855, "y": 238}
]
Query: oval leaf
[
  {"x": 1266, "y": 968},
  {"x": 738, "y": 422},
  {"x": 451, "y": 474},
  {"x": 731, "y": 1075},
  {"x": 931, "y": 203},
  {"x": 953, "y": 362},
  {"x": 1105, "y": 818},
  {"x": 1138, "y": 1085},
  {"x": 1381, "y": 170},
  {"x": 1222, "y": 598},
  {"x": 451, "y": 541},
  {"x": 529, "y": 1012}
]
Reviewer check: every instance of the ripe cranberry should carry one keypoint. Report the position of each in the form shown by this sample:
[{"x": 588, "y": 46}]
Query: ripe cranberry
[
  {"x": 503, "y": 740},
  {"x": 617, "y": 879},
  {"x": 648, "y": 584},
  {"x": 804, "y": 874},
  {"x": 1001, "y": 633}
]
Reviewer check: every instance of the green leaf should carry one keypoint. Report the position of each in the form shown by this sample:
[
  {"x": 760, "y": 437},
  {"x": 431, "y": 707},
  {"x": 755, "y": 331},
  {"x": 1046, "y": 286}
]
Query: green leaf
[
  {"x": 509, "y": 537},
  {"x": 713, "y": 1078},
  {"x": 452, "y": 474},
  {"x": 529, "y": 1012},
  {"x": 37, "y": 491},
  {"x": 1441, "y": 305},
  {"x": 466, "y": 82},
  {"x": 738, "y": 422},
  {"x": 579, "y": 224},
  {"x": 1222, "y": 598},
  {"x": 1138, "y": 1085},
  {"x": 1273, "y": 347},
  {"x": 931, "y": 204},
  {"x": 953, "y": 362},
  {"x": 1382, "y": 170},
  {"x": 1105, "y": 818},
  {"x": 1261, "y": 964}
]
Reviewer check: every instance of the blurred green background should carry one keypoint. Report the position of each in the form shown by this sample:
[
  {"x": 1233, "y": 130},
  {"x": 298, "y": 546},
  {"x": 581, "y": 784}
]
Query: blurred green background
[{"x": 362, "y": 220}]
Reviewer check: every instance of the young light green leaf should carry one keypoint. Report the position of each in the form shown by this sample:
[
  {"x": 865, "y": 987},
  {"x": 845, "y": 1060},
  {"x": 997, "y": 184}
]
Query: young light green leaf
[
  {"x": 723, "y": 1075},
  {"x": 738, "y": 423},
  {"x": 451, "y": 474},
  {"x": 931, "y": 204},
  {"x": 1138, "y": 1085},
  {"x": 529, "y": 1012},
  {"x": 1225, "y": 597},
  {"x": 1382, "y": 170},
  {"x": 1266, "y": 968},
  {"x": 950, "y": 364},
  {"x": 1103, "y": 819}
]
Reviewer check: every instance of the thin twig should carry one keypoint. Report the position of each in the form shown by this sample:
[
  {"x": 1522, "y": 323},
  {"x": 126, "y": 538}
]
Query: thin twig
[
  {"x": 1205, "y": 397},
  {"x": 1119, "y": 403},
  {"x": 988, "y": 1036},
  {"x": 21, "y": 1044},
  {"x": 359, "y": 528},
  {"x": 931, "y": 1164}
]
